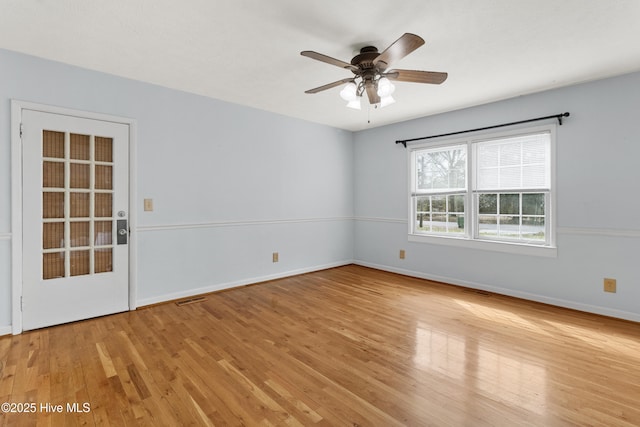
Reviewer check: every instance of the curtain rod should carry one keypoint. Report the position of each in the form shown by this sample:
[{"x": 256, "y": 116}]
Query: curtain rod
[{"x": 555, "y": 116}]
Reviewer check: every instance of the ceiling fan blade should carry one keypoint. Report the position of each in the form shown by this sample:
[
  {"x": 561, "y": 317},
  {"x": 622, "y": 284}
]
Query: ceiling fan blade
[
  {"x": 328, "y": 86},
  {"x": 415, "y": 76},
  {"x": 329, "y": 60},
  {"x": 398, "y": 50},
  {"x": 372, "y": 93}
]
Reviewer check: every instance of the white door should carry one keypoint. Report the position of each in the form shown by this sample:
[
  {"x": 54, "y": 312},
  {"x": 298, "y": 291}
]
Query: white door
[{"x": 75, "y": 211}]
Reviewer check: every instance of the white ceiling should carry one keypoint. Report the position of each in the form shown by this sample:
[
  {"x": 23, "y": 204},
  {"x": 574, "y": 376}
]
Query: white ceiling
[{"x": 248, "y": 51}]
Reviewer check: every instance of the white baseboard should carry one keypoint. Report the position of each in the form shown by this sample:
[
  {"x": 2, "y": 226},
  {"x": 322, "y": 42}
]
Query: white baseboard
[
  {"x": 604, "y": 311},
  {"x": 235, "y": 284},
  {"x": 6, "y": 330}
]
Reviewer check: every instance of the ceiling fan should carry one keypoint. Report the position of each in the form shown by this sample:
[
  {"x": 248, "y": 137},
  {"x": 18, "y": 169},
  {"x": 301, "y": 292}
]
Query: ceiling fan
[{"x": 371, "y": 75}]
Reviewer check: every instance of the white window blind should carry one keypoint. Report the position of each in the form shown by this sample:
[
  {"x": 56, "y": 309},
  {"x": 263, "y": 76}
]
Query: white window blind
[{"x": 514, "y": 163}]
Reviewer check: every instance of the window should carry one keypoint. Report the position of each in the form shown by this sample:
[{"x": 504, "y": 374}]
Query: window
[
  {"x": 496, "y": 189},
  {"x": 440, "y": 189}
]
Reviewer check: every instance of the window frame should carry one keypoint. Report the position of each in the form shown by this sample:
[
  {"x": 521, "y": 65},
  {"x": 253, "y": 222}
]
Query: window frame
[{"x": 471, "y": 238}]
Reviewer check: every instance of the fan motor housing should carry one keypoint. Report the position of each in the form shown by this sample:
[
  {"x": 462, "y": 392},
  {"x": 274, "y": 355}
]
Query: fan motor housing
[{"x": 364, "y": 60}]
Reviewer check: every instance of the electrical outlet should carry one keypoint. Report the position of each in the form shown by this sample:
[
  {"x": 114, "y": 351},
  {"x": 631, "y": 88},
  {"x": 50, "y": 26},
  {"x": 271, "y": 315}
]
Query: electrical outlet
[
  {"x": 275, "y": 257},
  {"x": 609, "y": 285},
  {"x": 402, "y": 254},
  {"x": 148, "y": 205}
]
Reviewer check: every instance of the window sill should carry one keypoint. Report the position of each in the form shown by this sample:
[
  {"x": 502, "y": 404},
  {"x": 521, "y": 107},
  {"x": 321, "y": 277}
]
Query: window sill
[{"x": 485, "y": 245}]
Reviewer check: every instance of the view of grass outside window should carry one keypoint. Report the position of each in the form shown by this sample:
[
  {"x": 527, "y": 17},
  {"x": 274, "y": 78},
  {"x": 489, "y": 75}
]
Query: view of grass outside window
[{"x": 507, "y": 198}]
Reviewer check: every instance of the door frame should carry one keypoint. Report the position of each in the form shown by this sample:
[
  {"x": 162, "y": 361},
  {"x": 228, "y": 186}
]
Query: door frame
[{"x": 17, "y": 107}]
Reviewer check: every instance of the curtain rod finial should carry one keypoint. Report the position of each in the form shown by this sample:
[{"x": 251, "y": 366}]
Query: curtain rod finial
[{"x": 560, "y": 116}]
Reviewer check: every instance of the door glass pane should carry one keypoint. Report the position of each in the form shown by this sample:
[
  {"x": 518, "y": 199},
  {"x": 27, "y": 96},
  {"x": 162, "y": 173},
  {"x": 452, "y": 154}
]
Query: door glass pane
[
  {"x": 53, "y": 144},
  {"x": 103, "y": 260},
  {"x": 103, "y": 205},
  {"x": 80, "y": 234},
  {"x": 53, "y": 265},
  {"x": 79, "y": 263},
  {"x": 52, "y": 205},
  {"x": 53, "y": 235},
  {"x": 103, "y": 233},
  {"x": 104, "y": 177},
  {"x": 79, "y": 205},
  {"x": 79, "y": 175},
  {"x": 85, "y": 246},
  {"x": 104, "y": 149},
  {"x": 53, "y": 174},
  {"x": 79, "y": 147}
]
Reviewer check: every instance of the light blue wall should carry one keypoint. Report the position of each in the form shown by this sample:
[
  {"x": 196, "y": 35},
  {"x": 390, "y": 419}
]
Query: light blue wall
[
  {"x": 598, "y": 233},
  {"x": 230, "y": 184}
]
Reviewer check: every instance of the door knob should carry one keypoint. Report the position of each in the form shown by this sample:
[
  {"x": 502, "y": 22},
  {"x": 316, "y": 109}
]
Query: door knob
[{"x": 123, "y": 231}]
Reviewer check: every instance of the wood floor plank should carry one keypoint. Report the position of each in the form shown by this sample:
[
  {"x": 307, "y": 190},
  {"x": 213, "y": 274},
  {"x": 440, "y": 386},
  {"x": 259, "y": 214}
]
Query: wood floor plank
[{"x": 348, "y": 346}]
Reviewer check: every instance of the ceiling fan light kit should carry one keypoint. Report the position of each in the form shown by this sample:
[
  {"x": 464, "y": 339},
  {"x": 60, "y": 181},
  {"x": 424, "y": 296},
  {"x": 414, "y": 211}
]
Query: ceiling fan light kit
[
  {"x": 350, "y": 94},
  {"x": 371, "y": 75}
]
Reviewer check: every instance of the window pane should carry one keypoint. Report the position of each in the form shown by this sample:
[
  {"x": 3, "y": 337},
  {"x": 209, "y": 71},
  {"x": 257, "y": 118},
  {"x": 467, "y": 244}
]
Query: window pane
[
  {"x": 533, "y": 228},
  {"x": 104, "y": 177},
  {"x": 489, "y": 179},
  {"x": 534, "y": 152},
  {"x": 79, "y": 147},
  {"x": 510, "y": 154},
  {"x": 79, "y": 175},
  {"x": 534, "y": 176},
  {"x": 456, "y": 203},
  {"x": 53, "y": 265},
  {"x": 439, "y": 203},
  {"x": 52, "y": 235},
  {"x": 424, "y": 204},
  {"x": 102, "y": 233},
  {"x": 80, "y": 234},
  {"x": 104, "y": 149},
  {"x": 441, "y": 169},
  {"x": 52, "y": 205},
  {"x": 103, "y": 260},
  {"x": 80, "y": 263},
  {"x": 434, "y": 214},
  {"x": 488, "y": 225},
  {"x": 533, "y": 204},
  {"x": 510, "y": 204},
  {"x": 53, "y": 144},
  {"x": 103, "y": 207},
  {"x": 488, "y": 203},
  {"x": 79, "y": 205},
  {"x": 510, "y": 177},
  {"x": 53, "y": 174},
  {"x": 509, "y": 227}
]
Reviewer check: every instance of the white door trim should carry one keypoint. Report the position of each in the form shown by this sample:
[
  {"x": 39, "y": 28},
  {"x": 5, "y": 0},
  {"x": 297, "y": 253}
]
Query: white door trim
[{"x": 16, "y": 199}]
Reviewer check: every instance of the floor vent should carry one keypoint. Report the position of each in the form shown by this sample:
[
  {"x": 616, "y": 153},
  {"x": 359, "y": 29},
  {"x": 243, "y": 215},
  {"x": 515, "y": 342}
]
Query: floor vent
[{"x": 190, "y": 301}]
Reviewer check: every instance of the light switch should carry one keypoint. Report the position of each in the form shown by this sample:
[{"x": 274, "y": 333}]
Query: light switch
[{"x": 148, "y": 205}]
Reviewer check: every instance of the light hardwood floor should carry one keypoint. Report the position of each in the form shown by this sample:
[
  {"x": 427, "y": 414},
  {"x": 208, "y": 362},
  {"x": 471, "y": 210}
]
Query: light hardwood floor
[{"x": 349, "y": 346}]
